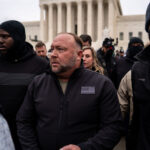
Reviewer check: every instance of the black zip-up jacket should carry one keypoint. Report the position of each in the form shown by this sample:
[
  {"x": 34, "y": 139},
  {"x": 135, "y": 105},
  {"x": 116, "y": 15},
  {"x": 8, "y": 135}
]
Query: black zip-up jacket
[{"x": 88, "y": 114}]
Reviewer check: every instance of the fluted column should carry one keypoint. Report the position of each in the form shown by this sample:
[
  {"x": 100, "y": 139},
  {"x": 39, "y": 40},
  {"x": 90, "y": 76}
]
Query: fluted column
[
  {"x": 46, "y": 24},
  {"x": 111, "y": 17},
  {"x": 90, "y": 18},
  {"x": 80, "y": 18},
  {"x": 69, "y": 17},
  {"x": 100, "y": 19},
  {"x": 42, "y": 22},
  {"x": 59, "y": 21},
  {"x": 50, "y": 22}
]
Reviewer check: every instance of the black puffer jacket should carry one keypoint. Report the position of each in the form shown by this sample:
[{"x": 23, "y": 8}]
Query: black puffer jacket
[
  {"x": 87, "y": 115},
  {"x": 17, "y": 68}
]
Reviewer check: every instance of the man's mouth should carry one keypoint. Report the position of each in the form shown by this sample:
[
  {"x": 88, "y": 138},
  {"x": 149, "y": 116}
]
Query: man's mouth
[
  {"x": 54, "y": 63},
  {"x": 2, "y": 48}
]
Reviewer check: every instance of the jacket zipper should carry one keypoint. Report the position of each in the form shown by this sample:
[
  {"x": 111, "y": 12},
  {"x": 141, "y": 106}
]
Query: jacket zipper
[{"x": 60, "y": 115}]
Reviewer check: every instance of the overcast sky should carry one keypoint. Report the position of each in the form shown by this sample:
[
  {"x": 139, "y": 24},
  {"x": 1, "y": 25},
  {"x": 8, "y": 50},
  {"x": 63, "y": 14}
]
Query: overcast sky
[{"x": 28, "y": 10}]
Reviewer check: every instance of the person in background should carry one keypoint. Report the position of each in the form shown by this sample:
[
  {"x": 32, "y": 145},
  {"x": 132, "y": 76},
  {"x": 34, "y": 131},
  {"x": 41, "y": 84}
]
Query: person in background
[
  {"x": 70, "y": 108},
  {"x": 124, "y": 64},
  {"x": 117, "y": 54},
  {"x": 86, "y": 39},
  {"x": 106, "y": 57},
  {"x": 18, "y": 65},
  {"x": 41, "y": 50},
  {"x": 121, "y": 53},
  {"x": 134, "y": 98},
  {"x": 90, "y": 60}
]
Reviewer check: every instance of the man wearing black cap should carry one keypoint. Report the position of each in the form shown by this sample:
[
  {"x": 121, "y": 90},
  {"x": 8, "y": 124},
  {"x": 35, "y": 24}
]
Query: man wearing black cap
[
  {"x": 18, "y": 65},
  {"x": 106, "y": 57},
  {"x": 135, "y": 98}
]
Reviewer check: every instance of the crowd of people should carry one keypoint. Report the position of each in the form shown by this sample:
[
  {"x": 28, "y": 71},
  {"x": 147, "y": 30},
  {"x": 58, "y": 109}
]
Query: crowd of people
[{"x": 75, "y": 98}]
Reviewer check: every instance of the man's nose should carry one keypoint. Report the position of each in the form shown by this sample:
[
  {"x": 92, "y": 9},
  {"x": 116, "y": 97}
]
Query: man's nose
[
  {"x": 1, "y": 39},
  {"x": 54, "y": 53}
]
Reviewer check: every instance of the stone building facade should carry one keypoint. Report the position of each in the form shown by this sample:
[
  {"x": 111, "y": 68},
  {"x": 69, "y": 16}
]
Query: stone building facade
[{"x": 98, "y": 18}]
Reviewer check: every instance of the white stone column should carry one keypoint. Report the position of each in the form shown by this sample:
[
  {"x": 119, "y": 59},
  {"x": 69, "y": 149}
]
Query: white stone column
[
  {"x": 111, "y": 17},
  {"x": 80, "y": 18},
  {"x": 42, "y": 22},
  {"x": 59, "y": 21},
  {"x": 46, "y": 24},
  {"x": 90, "y": 18},
  {"x": 50, "y": 22},
  {"x": 100, "y": 19},
  {"x": 69, "y": 20}
]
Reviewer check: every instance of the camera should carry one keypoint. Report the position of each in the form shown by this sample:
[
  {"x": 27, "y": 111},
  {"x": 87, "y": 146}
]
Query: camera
[{"x": 109, "y": 43}]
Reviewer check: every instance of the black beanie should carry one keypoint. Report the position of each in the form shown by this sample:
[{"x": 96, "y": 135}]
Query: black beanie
[
  {"x": 15, "y": 29},
  {"x": 147, "y": 23},
  {"x": 17, "y": 32},
  {"x": 135, "y": 40}
]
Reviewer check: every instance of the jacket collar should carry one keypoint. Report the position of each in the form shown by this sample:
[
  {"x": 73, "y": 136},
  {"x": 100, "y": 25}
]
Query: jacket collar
[{"x": 75, "y": 74}]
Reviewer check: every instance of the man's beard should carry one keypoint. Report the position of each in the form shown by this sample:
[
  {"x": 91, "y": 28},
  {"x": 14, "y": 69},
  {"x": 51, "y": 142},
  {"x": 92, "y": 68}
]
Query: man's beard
[{"x": 66, "y": 67}]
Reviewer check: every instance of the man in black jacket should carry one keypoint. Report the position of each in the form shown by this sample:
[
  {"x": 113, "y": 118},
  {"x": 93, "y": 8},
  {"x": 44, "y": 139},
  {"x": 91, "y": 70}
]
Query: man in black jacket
[
  {"x": 123, "y": 65},
  {"x": 106, "y": 57},
  {"x": 139, "y": 134},
  {"x": 41, "y": 50},
  {"x": 18, "y": 65},
  {"x": 71, "y": 105},
  {"x": 138, "y": 84}
]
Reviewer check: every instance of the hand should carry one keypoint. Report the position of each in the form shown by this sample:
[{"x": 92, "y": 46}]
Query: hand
[{"x": 70, "y": 147}]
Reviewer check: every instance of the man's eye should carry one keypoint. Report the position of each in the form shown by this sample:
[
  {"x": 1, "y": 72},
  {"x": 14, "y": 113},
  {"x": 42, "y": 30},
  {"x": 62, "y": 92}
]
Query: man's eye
[
  {"x": 50, "y": 50},
  {"x": 5, "y": 36},
  {"x": 60, "y": 49}
]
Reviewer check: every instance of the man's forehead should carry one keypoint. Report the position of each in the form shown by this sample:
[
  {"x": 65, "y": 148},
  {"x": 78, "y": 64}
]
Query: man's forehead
[
  {"x": 63, "y": 38},
  {"x": 3, "y": 31}
]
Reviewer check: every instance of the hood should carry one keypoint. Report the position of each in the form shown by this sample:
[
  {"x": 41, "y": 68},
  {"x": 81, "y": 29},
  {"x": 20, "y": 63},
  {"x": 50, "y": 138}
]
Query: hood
[
  {"x": 134, "y": 50},
  {"x": 144, "y": 55},
  {"x": 17, "y": 32},
  {"x": 28, "y": 52},
  {"x": 135, "y": 40},
  {"x": 147, "y": 18}
]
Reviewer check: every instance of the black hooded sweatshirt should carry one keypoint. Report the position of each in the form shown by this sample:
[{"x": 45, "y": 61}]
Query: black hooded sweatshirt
[
  {"x": 138, "y": 137},
  {"x": 17, "y": 68},
  {"x": 124, "y": 64}
]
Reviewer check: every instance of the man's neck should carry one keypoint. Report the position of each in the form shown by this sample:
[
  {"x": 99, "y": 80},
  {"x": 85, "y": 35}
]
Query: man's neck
[{"x": 65, "y": 76}]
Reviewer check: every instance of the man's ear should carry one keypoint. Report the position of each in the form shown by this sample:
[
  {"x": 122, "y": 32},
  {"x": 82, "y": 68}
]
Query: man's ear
[{"x": 79, "y": 54}]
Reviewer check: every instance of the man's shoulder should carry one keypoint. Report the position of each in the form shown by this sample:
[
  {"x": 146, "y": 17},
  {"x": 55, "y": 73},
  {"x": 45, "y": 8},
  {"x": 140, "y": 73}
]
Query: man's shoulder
[
  {"x": 40, "y": 60},
  {"x": 92, "y": 75},
  {"x": 41, "y": 78}
]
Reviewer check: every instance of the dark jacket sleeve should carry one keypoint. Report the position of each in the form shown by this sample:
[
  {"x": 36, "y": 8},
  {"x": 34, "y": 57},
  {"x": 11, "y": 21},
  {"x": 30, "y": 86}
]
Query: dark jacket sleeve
[
  {"x": 110, "y": 121},
  {"x": 26, "y": 124}
]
